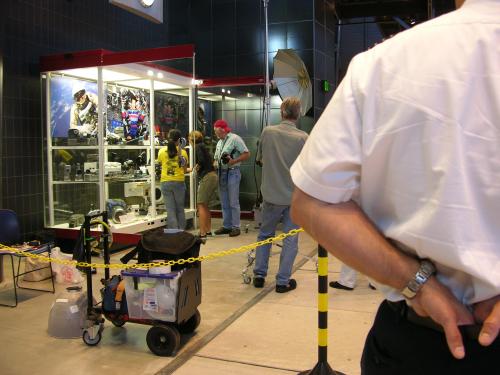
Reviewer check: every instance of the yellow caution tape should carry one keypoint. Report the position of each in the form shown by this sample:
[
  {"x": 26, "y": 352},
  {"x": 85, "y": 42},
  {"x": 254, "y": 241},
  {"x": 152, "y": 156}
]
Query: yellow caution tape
[{"x": 201, "y": 258}]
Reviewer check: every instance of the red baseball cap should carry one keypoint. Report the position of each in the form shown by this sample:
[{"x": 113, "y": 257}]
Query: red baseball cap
[{"x": 223, "y": 125}]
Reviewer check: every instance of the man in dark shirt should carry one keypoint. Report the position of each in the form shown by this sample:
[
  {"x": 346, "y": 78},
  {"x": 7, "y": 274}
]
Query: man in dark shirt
[{"x": 278, "y": 148}]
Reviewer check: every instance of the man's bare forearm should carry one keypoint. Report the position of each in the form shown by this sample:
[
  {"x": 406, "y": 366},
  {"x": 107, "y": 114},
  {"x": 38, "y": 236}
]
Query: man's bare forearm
[{"x": 346, "y": 232}]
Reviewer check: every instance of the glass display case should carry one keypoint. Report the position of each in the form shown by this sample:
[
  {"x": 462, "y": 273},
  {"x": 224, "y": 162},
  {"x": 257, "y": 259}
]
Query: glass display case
[{"x": 107, "y": 114}]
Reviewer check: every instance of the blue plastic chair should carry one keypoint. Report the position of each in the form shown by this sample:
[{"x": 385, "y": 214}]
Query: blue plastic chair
[
  {"x": 9, "y": 227},
  {"x": 10, "y": 234}
]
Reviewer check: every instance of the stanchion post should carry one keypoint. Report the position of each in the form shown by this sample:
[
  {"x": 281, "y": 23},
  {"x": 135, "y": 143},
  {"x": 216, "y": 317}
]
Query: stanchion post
[{"x": 322, "y": 367}]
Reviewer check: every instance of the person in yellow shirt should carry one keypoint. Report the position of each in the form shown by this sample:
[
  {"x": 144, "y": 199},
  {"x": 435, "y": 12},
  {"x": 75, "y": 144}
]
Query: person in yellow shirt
[{"x": 174, "y": 164}]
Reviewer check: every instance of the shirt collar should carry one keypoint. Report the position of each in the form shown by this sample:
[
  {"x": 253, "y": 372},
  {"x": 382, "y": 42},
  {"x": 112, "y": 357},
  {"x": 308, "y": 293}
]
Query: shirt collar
[{"x": 289, "y": 123}]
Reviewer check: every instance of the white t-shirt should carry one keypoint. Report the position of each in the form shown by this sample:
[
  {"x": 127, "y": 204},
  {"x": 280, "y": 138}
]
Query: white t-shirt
[{"x": 413, "y": 135}]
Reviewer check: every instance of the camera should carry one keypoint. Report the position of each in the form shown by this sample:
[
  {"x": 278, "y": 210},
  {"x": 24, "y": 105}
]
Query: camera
[
  {"x": 224, "y": 158},
  {"x": 182, "y": 142}
]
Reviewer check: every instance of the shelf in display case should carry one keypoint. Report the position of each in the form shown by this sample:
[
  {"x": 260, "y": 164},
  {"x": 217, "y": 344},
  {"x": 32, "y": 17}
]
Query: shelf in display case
[
  {"x": 141, "y": 224},
  {"x": 74, "y": 182},
  {"x": 75, "y": 147},
  {"x": 127, "y": 179},
  {"x": 127, "y": 147}
]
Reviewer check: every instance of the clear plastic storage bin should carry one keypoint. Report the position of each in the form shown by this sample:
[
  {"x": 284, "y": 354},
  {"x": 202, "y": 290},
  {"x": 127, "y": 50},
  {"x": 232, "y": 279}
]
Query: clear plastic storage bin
[{"x": 150, "y": 296}]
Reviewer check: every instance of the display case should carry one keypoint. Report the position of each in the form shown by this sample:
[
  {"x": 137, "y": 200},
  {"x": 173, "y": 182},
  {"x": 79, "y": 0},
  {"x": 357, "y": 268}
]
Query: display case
[{"x": 107, "y": 115}]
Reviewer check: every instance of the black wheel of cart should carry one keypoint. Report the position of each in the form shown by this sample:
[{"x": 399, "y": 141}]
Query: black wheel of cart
[
  {"x": 191, "y": 324},
  {"x": 163, "y": 340},
  {"x": 117, "y": 322},
  {"x": 89, "y": 341}
]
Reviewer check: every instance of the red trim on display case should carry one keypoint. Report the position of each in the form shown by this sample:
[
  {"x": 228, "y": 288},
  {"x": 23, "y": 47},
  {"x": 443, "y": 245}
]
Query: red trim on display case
[
  {"x": 233, "y": 81},
  {"x": 102, "y": 57},
  {"x": 72, "y": 60}
]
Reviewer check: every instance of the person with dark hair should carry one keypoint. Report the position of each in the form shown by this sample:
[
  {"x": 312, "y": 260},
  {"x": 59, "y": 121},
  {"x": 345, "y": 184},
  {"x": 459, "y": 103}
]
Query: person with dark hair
[
  {"x": 174, "y": 164},
  {"x": 207, "y": 182},
  {"x": 229, "y": 153},
  {"x": 278, "y": 148},
  {"x": 400, "y": 179}
]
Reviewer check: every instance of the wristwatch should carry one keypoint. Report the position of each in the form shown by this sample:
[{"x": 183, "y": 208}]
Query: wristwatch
[{"x": 426, "y": 270}]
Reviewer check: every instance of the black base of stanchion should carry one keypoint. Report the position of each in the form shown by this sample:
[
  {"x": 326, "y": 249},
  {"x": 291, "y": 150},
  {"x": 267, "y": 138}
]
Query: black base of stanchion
[{"x": 322, "y": 368}]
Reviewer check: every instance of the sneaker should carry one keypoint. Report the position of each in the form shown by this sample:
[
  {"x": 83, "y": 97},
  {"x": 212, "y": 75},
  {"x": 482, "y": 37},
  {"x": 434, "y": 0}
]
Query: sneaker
[
  {"x": 234, "y": 232},
  {"x": 337, "y": 285},
  {"x": 258, "y": 282},
  {"x": 292, "y": 284},
  {"x": 222, "y": 230}
]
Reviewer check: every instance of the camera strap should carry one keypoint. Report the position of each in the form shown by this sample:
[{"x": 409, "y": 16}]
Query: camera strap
[{"x": 221, "y": 151}]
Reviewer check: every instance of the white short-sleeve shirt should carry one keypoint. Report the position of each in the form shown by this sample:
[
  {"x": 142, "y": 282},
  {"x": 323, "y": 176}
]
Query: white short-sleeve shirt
[{"x": 413, "y": 135}]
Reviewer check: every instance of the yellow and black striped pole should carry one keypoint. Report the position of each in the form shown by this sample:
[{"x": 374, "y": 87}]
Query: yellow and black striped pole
[{"x": 322, "y": 367}]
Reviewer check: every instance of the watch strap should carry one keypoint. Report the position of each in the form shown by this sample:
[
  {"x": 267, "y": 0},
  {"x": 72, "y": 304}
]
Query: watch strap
[{"x": 425, "y": 271}]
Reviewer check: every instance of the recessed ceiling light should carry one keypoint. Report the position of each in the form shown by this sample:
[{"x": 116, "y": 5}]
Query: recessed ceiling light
[{"x": 147, "y": 3}]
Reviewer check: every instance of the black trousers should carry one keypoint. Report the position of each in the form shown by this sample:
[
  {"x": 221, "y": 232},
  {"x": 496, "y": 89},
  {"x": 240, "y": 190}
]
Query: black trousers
[{"x": 395, "y": 346}]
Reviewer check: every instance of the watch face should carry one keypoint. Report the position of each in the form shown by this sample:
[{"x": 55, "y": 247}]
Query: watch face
[{"x": 146, "y": 3}]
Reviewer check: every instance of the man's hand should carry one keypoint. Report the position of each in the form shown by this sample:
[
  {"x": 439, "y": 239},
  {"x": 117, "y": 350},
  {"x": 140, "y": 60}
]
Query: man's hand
[
  {"x": 437, "y": 302},
  {"x": 488, "y": 313},
  {"x": 344, "y": 230}
]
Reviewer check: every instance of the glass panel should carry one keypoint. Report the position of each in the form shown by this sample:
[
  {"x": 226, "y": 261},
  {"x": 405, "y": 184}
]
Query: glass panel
[
  {"x": 242, "y": 108},
  {"x": 171, "y": 112},
  {"x": 73, "y": 111},
  {"x": 72, "y": 198},
  {"x": 75, "y": 164},
  {"x": 127, "y": 178},
  {"x": 127, "y": 115}
]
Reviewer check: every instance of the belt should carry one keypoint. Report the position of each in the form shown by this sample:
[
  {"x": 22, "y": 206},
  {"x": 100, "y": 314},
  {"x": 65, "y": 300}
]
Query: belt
[
  {"x": 406, "y": 312},
  {"x": 228, "y": 169}
]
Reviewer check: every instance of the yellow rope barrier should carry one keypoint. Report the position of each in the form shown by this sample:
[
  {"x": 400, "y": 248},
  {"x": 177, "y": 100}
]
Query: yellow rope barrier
[{"x": 201, "y": 258}]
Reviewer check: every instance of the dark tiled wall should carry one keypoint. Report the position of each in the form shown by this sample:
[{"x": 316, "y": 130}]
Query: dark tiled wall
[
  {"x": 229, "y": 39},
  {"x": 325, "y": 49},
  {"x": 229, "y": 34},
  {"x": 31, "y": 29}
]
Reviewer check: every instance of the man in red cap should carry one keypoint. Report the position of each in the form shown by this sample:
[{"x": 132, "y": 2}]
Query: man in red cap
[{"x": 229, "y": 153}]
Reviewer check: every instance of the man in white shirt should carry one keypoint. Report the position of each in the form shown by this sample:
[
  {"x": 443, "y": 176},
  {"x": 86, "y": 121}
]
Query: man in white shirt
[{"x": 400, "y": 179}]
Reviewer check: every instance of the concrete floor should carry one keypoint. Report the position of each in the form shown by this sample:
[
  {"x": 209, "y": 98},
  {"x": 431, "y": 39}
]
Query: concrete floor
[{"x": 243, "y": 330}]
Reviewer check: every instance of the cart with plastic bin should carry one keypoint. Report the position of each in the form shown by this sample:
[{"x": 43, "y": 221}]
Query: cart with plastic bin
[{"x": 166, "y": 301}]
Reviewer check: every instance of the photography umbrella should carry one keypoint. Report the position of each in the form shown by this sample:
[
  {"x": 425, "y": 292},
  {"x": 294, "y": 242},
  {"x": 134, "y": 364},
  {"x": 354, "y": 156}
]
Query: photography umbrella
[{"x": 292, "y": 79}]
